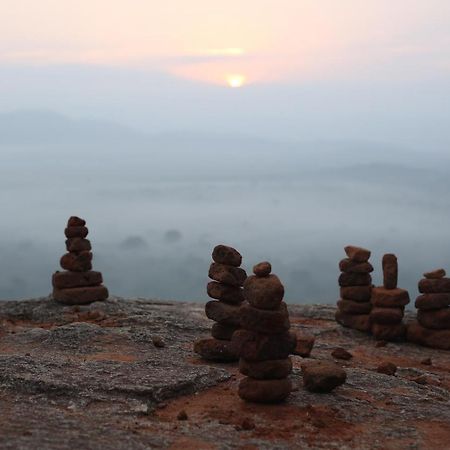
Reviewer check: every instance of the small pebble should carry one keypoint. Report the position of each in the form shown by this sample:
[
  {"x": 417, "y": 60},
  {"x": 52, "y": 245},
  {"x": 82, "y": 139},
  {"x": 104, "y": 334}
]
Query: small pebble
[
  {"x": 248, "y": 424},
  {"x": 380, "y": 344},
  {"x": 158, "y": 342},
  {"x": 341, "y": 353},
  {"x": 420, "y": 380},
  {"x": 426, "y": 362},
  {"x": 387, "y": 368},
  {"x": 182, "y": 415}
]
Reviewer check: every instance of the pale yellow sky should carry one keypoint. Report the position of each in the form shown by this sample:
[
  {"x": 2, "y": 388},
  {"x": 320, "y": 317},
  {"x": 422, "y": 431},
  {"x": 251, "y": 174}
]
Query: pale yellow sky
[{"x": 275, "y": 40}]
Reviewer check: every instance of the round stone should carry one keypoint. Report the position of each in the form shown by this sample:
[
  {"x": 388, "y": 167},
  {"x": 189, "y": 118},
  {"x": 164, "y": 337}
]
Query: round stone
[
  {"x": 80, "y": 295},
  {"x": 223, "y": 313},
  {"x": 359, "y": 322},
  {"x": 386, "y": 316},
  {"x": 270, "y": 369},
  {"x": 389, "y": 297},
  {"x": 322, "y": 376},
  {"x": 262, "y": 269},
  {"x": 223, "y": 254},
  {"x": 215, "y": 350},
  {"x": 357, "y": 254},
  {"x": 351, "y": 307},
  {"x": 264, "y": 292},
  {"x": 265, "y": 321},
  {"x": 355, "y": 279},
  {"x": 232, "y": 276},
  {"x": 437, "y": 319},
  {"x": 228, "y": 294},
  {"x": 264, "y": 391},
  {"x": 432, "y": 301},
  {"x": 356, "y": 293}
]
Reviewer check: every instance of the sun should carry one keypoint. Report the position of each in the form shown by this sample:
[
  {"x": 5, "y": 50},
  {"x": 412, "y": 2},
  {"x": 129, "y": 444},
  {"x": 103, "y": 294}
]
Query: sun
[{"x": 236, "y": 81}]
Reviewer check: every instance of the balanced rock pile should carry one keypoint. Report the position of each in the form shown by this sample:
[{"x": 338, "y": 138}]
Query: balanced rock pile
[
  {"x": 227, "y": 290},
  {"x": 355, "y": 284},
  {"x": 433, "y": 327},
  {"x": 388, "y": 304},
  {"x": 78, "y": 284},
  {"x": 264, "y": 343}
]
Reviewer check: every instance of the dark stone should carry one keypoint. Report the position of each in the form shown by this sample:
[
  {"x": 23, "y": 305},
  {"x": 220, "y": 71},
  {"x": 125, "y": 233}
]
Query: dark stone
[
  {"x": 359, "y": 322},
  {"x": 304, "y": 345},
  {"x": 435, "y": 274},
  {"x": 73, "y": 232},
  {"x": 77, "y": 245},
  {"x": 264, "y": 292},
  {"x": 389, "y": 298},
  {"x": 75, "y": 221},
  {"x": 432, "y": 301},
  {"x": 390, "y": 271},
  {"x": 223, "y": 254},
  {"x": 64, "y": 280},
  {"x": 349, "y": 266},
  {"x": 264, "y": 391},
  {"x": 341, "y": 353},
  {"x": 271, "y": 369},
  {"x": 254, "y": 346},
  {"x": 352, "y": 307},
  {"x": 232, "y": 276},
  {"x": 387, "y": 368},
  {"x": 80, "y": 295},
  {"x": 265, "y": 321},
  {"x": 386, "y": 316},
  {"x": 357, "y": 254},
  {"x": 356, "y": 293},
  {"x": 430, "y": 338},
  {"x": 437, "y": 286},
  {"x": 355, "y": 279},
  {"x": 228, "y": 294},
  {"x": 215, "y": 350},
  {"x": 389, "y": 332},
  {"x": 436, "y": 319},
  {"x": 322, "y": 376},
  {"x": 224, "y": 332},
  {"x": 81, "y": 262},
  {"x": 223, "y": 313},
  {"x": 262, "y": 269}
]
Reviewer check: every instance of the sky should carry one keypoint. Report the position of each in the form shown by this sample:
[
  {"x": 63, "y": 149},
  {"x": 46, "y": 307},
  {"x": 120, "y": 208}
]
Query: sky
[{"x": 382, "y": 67}]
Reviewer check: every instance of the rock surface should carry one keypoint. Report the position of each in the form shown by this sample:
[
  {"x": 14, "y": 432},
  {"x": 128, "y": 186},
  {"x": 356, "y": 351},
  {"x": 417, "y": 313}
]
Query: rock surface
[{"x": 93, "y": 377}]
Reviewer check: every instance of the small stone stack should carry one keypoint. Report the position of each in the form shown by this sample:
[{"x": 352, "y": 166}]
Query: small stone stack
[
  {"x": 227, "y": 290},
  {"x": 389, "y": 304},
  {"x": 355, "y": 284},
  {"x": 264, "y": 343},
  {"x": 78, "y": 284},
  {"x": 433, "y": 327}
]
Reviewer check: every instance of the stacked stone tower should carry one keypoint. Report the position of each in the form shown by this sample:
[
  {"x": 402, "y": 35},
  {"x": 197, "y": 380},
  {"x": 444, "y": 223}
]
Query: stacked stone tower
[
  {"x": 433, "y": 327},
  {"x": 78, "y": 284},
  {"x": 389, "y": 304},
  {"x": 355, "y": 284},
  {"x": 226, "y": 289},
  {"x": 264, "y": 343}
]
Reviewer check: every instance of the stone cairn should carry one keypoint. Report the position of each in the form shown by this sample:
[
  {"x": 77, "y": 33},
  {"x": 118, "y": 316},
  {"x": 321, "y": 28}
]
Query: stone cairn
[
  {"x": 226, "y": 287},
  {"x": 388, "y": 303},
  {"x": 264, "y": 342},
  {"x": 432, "y": 328},
  {"x": 355, "y": 284},
  {"x": 78, "y": 284}
]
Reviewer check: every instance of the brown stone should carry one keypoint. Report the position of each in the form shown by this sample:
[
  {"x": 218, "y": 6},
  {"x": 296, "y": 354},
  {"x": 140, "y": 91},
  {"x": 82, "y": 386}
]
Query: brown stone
[
  {"x": 359, "y": 322},
  {"x": 264, "y": 391},
  {"x": 304, "y": 345},
  {"x": 262, "y": 269},
  {"x": 223, "y": 313},
  {"x": 230, "y": 275},
  {"x": 215, "y": 350},
  {"x": 432, "y": 301},
  {"x": 430, "y": 338},
  {"x": 357, "y": 254},
  {"x": 349, "y": 266},
  {"x": 355, "y": 279},
  {"x": 265, "y": 321},
  {"x": 352, "y": 307},
  {"x": 435, "y": 274},
  {"x": 261, "y": 347},
  {"x": 356, "y": 293},
  {"x": 224, "y": 332},
  {"x": 80, "y": 295},
  {"x": 266, "y": 370},
  {"x": 264, "y": 292},
  {"x": 81, "y": 262},
  {"x": 75, "y": 221},
  {"x": 386, "y": 316},
  {"x": 72, "y": 232},
  {"x": 436, "y": 319},
  {"x": 322, "y": 376},
  {"x": 223, "y": 254},
  {"x": 390, "y": 271},
  {"x": 426, "y": 362},
  {"x": 77, "y": 245},
  {"x": 228, "y": 294},
  {"x": 389, "y": 298},
  {"x": 439, "y": 286},
  {"x": 341, "y": 353},
  {"x": 387, "y": 368},
  {"x": 64, "y": 280},
  {"x": 389, "y": 332}
]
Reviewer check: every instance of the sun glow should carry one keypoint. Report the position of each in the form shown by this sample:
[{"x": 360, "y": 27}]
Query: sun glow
[{"x": 236, "y": 81}]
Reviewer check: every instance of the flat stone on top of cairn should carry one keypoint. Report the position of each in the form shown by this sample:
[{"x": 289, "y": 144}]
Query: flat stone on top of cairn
[
  {"x": 264, "y": 343},
  {"x": 78, "y": 284},
  {"x": 226, "y": 289},
  {"x": 432, "y": 328},
  {"x": 355, "y": 284},
  {"x": 388, "y": 304}
]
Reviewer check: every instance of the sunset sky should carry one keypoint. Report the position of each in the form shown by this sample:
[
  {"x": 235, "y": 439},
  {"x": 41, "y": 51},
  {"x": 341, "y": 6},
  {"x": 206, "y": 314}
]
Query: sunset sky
[{"x": 371, "y": 45}]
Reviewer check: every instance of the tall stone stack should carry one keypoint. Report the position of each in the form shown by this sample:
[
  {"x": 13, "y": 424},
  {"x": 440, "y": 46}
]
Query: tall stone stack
[
  {"x": 355, "y": 284},
  {"x": 389, "y": 303},
  {"x": 264, "y": 343},
  {"x": 433, "y": 316},
  {"x": 226, "y": 288},
  {"x": 78, "y": 284}
]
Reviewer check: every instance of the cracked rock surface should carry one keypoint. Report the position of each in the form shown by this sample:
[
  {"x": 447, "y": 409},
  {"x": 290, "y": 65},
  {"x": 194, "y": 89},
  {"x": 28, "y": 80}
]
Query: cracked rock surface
[{"x": 117, "y": 374}]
